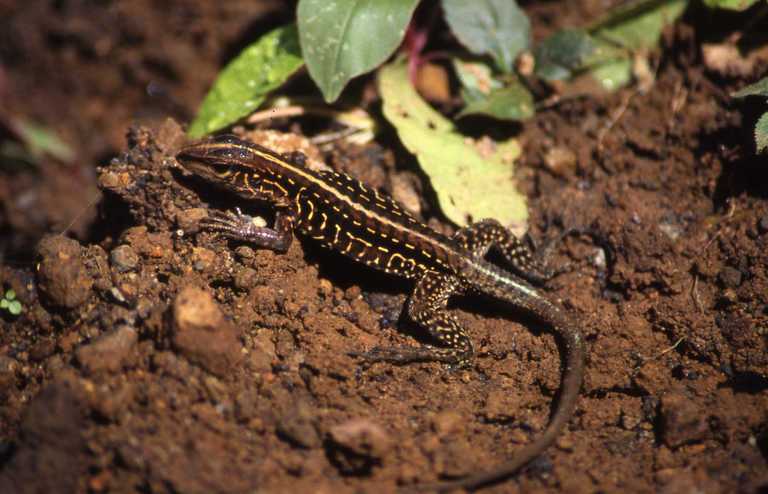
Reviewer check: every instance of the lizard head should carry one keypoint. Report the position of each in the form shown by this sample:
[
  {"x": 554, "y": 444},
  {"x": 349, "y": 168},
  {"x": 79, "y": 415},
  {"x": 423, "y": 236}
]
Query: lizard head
[{"x": 214, "y": 159}]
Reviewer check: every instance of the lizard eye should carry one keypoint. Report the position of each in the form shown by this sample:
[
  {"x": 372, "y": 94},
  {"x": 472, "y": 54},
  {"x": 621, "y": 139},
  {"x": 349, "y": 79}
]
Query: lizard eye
[{"x": 222, "y": 169}]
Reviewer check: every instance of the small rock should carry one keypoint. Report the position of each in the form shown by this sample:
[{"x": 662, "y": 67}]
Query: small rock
[
  {"x": 762, "y": 224},
  {"x": 683, "y": 421},
  {"x": 202, "y": 258},
  {"x": 671, "y": 230},
  {"x": 730, "y": 277},
  {"x": 124, "y": 258},
  {"x": 297, "y": 425},
  {"x": 109, "y": 402},
  {"x": 324, "y": 287},
  {"x": 109, "y": 352},
  {"x": 244, "y": 252},
  {"x": 630, "y": 419},
  {"x": 41, "y": 350},
  {"x": 738, "y": 329},
  {"x": 98, "y": 266},
  {"x": 246, "y": 405},
  {"x": 263, "y": 352},
  {"x": 100, "y": 482},
  {"x": 245, "y": 278},
  {"x": 448, "y": 422},
  {"x": 359, "y": 445},
  {"x": 61, "y": 274},
  {"x": 169, "y": 363},
  {"x": 109, "y": 180},
  {"x": 202, "y": 334},
  {"x": 147, "y": 244},
  {"x": 499, "y": 405},
  {"x": 68, "y": 340},
  {"x": 8, "y": 367},
  {"x": 263, "y": 298},
  {"x": 189, "y": 219},
  {"x": 352, "y": 293},
  {"x": 728, "y": 296},
  {"x": 561, "y": 161},
  {"x": 170, "y": 136},
  {"x": 451, "y": 459}
]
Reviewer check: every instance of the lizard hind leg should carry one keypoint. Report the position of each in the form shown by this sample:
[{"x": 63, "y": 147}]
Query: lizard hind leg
[
  {"x": 480, "y": 237},
  {"x": 428, "y": 307}
]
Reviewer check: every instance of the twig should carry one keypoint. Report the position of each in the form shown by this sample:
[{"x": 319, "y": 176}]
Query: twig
[
  {"x": 614, "y": 119},
  {"x": 673, "y": 347},
  {"x": 695, "y": 293},
  {"x": 277, "y": 112}
]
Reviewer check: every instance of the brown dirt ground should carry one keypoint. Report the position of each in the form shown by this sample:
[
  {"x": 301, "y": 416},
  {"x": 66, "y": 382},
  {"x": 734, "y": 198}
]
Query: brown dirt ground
[{"x": 154, "y": 358}]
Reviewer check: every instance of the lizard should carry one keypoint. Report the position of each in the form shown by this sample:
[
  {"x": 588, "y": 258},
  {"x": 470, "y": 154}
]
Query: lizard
[{"x": 345, "y": 215}]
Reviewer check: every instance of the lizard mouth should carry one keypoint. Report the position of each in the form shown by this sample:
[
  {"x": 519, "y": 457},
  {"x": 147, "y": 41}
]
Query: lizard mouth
[
  {"x": 202, "y": 167},
  {"x": 208, "y": 159}
]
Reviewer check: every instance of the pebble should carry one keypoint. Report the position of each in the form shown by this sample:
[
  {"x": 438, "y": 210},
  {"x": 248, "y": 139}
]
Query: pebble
[
  {"x": 202, "y": 334},
  {"x": 61, "y": 274},
  {"x": 448, "y": 422},
  {"x": 109, "y": 352},
  {"x": 124, "y": 258},
  {"x": 683, "y": 421},
  {"x": 189, "y": 219},
  {"x": 360, "y": 444},
  {"x": 762, "y": 224},
  {"x": 244, "y": 252},
  {"x": 297, "y": 424},
  {"x": 730, "y": 277},
  {"x": 8, "y": 368}
]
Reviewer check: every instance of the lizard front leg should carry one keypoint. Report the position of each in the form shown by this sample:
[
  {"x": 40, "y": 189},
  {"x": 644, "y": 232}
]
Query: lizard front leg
[{"x": 239, "y": 226}]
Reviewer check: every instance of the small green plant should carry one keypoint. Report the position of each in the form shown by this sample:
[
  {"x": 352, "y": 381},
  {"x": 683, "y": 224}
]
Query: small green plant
[
  {"x": 29, "y": 143},
  {"x": 760, "y": 88},
  {"x": 737, "y": 5},
  {"x": 338, "y": 41},
  {"x": 10, "y": 304},
  {"x": 494, "y": 64}
]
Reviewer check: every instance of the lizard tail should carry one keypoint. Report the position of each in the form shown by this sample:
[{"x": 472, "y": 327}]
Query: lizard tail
[{"x": 573, "y": 372}]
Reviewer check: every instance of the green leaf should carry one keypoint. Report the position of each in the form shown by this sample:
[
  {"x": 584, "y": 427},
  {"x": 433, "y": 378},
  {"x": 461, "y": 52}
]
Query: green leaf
[
  {"x": 638, "y": 25},
  {"x": 737, "y": 5},
  {"x": 513, "y": 102},
  {"x": 564, "y": 53},
  {"x": 760, "y": 88},
  {"x": 41, "y": 141},
  {"x": 245, "y": 82},
  {"x": 613, "y": 75},
  {"x": 498, "y": 28},
  {"x": 568, "y": 52},
  {"x": 470, "y": 185},
  {"x": 342, "y": 39},
  {"x": 476, "y": 79},
  {"x": 761, "y": 133},
  {"x": 4, "y": 303},
  {"x": 607, "y": 47},
  {"x": 483, "y": 94},
  {"x": 14, "y": 307},
  {"x": 10, "y": 294}
]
